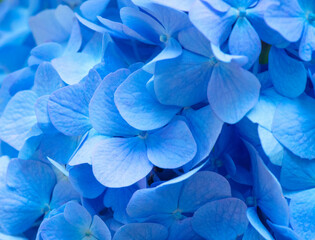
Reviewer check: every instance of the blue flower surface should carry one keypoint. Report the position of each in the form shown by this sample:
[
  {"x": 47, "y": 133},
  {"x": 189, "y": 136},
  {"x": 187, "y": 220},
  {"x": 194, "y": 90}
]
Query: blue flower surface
[{"x": 157, "y": 120}]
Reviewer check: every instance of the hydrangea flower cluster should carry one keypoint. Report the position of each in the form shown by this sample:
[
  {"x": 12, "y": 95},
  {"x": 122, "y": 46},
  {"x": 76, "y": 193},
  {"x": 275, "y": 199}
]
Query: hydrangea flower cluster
[{"x": 157, "y": 119}]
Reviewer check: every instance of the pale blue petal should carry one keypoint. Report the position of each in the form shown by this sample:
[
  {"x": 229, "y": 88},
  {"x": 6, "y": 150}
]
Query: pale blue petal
[
  {"x": 194, "y": 41},
  {"x": 215, "y": 25},
  {"x": 307, "y": 45},
  {"x": 63, "y": 193},
  {"x": 104, "y": 115},
  {"x": 85, "y": 150},
  {"x": 245, "y": 41},
  {"x": 141, "y": 231},
  {"x": 201, "y": 188},
  {"x": 55, "y": 33},
  {"x": 18, "y": 119},
  {"x": 120, "y": 162},
  {"x": 172, "y": 146},
  {"x": 243, "y": 88},
  {"x": 77, "y": 215},
  {"x": 92, "y": 8},
  {"x": 183, "y": 5},
  {"x": 283, "y": 233},
  {"x": 205, "y": 127},
  {"x": 293, "y": 126},
  {"x": 221, "y": 219},
  {"x": 172, "y": 49},
  {"x": 302, "y": 212},
  {"x": 288, "y": 75},
  {"x": 99, "y": 229},
  {"x": 46, "y": 80},
  {"x": 187, "y": 70},
  {"x": 171, "y": 19},
  {"x": 72, "y": 68},
  {"x": 254, "y": 220},
  {"x": 297, "y": 173},
  {"x": 83, "y": 180},
  {"x": 287, "y": 18},
  {"x": 272, "y": 148},
  {"x": 138, "y": 107},
  {"x": 267, "y": 191},
  {"x": 161, "y": 200},
  {"x": 57, "y": 227}
]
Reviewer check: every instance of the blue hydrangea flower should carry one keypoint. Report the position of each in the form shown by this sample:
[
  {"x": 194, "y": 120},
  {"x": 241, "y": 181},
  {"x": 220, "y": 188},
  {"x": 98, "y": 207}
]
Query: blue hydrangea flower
[
  {"x": 241, "y": 22},
  {"x": 202, "y": 72},
  {"x": 29, "y": 192},
  {"x": 294, "y": 20}
]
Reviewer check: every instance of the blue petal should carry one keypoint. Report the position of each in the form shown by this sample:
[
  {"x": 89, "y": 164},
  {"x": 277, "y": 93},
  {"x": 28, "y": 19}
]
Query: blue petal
[
  {"x": 302, "y": 214},
  {"x": 142, "y": 23},
  {"x": 287, "y": 18},
  {"x": 227, "y": 58},
  {"x": 283, "y": 233},
  {"x": 77, "y": 215},
  {"x": 161, "y": 201},
  {"x": 183, "y": 230},
  {"x": 267, "y": 191},
  {"x": 243, "y": 88},
  {"x": 172, "y": 146},
  {"x": 265, "y": 109},
  {"x": 288, "y": 75},
  {"x": 104, "y": 115},
  {"x": 93, "y": 8},
  {"x": 120, "y": 162},
  {"x": 57, "y": 227},
  {"x": 63, "y": 193},
  {"x": 272, "y": 148},
  {"x": 245, "y": 41},
  {"x": 68, "y": 107},
  {"x": 138, "y": 107},
  {"x": 297, "y": 173},
  {"x": 139, "y": 231},
  {"x": 43, "y": 120},
  {"x": 85, "y": 150},
  {"x": 201, "y": 188},
  {"x": 183, "y": 5},
  {"x": 46, "y": 80},
  {"x": 257, "y": 224},
  {"x": 30, "y": 186},
  {"x": 221, "y": 219},
  {"x": 214, "y": 24},
  {"x": 172, "y": 49},
  {"x": 205, "y": 127},
  {"x": 47, "y": 51},
  {"x": 117, "y": 199},
  {"x": 172, "y": 20},
  {"x": 72, "y": 68},
  {"x": 56, "y": 32},
  {"x": 99, "y": 229},
  {"x": 68, "y": 110},
  {"x": 307, "y": 45},
  {"x": 83, "y": 180},
  {"x": 194, "y": 41},
  {"x": 18, "y": 118},
  {"x": 187, "y": 70},
  {"x": 294, "y": 123}
]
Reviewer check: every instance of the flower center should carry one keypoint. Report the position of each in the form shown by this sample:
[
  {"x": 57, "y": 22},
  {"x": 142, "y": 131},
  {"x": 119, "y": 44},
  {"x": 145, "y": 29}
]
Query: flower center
[
  {"x": 251, "y": 201},
  {"x": 143, "y": 135},
  {"x": 310, "y": 17},
  {"x": 178, "y": 214},
  {"x": 213, "y": 61},
  {"x": 88, "y": 233},
  {"x": 241, "y": 12},
  {"x": 164, "y": 38},
  {"x": 46, "y": 208}
]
